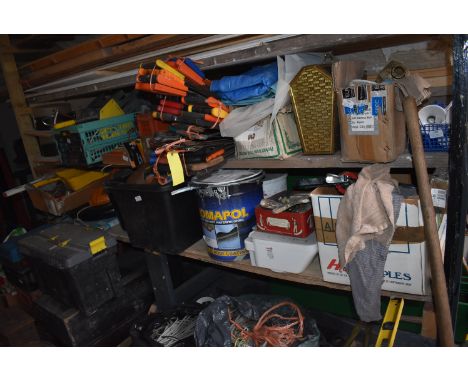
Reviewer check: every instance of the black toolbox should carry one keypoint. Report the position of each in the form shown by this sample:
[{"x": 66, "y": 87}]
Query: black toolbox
[
  {"x": 74, "y": 264},
  {"x": 107, "y": 327},
  {"x": 153, "y": 218}
]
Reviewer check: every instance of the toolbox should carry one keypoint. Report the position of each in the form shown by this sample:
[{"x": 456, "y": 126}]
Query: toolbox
[
  {"x": 74, "y": 264},
  {"x": 153, "y": 218},
  {"x": 107, "y": 327},
  {"x": 281, "y": 253},
  {"x": 297, "y": 221}
]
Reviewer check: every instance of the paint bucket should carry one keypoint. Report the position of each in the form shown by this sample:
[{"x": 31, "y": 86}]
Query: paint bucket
[{"x": 227, "y": 201}]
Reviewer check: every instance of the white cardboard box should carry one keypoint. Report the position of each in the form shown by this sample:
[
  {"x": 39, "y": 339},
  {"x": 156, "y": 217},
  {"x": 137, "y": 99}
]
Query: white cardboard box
[
  {"x": 406, "y": 268},
  {"x": 279, "y": 140}
]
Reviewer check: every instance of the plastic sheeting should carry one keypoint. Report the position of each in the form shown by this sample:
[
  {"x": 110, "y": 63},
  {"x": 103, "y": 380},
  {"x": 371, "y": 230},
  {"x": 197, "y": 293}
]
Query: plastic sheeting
[
  {"x": 287, "y": 70},
  {"x": 214, "y": 329},
  {"x": 243, "y": 118},
  {"x": 257, "y": 82}
]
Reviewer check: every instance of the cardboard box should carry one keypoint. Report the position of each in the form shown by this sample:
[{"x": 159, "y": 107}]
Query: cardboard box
[
  {"x": 278, "y": 141},
  {"x": 371, "y": 128},
  {"x": 406, "y": 268},
  {"x": 45, "y": 202}
]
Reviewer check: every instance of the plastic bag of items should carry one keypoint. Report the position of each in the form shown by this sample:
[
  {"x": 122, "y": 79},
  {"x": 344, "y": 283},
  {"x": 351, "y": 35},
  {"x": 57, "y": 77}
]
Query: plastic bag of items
[
  {"x": 255, "y": 320},
  {"x": 171, "y": 328}
]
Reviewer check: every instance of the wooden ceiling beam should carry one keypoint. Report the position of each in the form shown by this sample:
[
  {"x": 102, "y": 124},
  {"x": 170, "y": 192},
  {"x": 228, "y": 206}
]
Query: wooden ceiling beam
[
  {"x": 104, "y": 55},
  {"x": 79, "y": 49}
]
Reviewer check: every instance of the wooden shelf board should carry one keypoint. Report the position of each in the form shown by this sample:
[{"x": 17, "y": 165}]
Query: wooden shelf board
[
  {"x": 433, "y": 160},
  {"x": 39, "y": 133},
  {"x": 41, "y": 159},
  {"x": 311, "y": 276}
]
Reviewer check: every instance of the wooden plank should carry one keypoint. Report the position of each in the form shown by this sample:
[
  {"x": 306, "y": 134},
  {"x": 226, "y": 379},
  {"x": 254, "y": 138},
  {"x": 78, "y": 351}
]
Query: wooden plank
[
  {"x": 42, "y": 159},
  {"x": 444, "y": 71},
  {"x": 437, "y": 77},
  {"x": 428, "y": 324},
  {"x": 337, "y": 44},
  {"x": 211, "y": 58},
  {"x": 434, "y": 160},
  {"x": 441, "y": 91},
  {"x": 39, "y": 133},
  {"x": 311, "y": 276},
  {"x": 18, "y": 101},
  {"x": 70, "y": 86},
  {"x": 134, "y": 61},
  {"x": 103, "y": 56},
  {"x": 79, "y": 49}
]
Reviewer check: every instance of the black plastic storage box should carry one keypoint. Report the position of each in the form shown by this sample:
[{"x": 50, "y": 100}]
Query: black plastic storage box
[
  {"x": 153, "y": 218},
  {"x": 107, "y": 327},
  {"x": 74, "y": 264}
]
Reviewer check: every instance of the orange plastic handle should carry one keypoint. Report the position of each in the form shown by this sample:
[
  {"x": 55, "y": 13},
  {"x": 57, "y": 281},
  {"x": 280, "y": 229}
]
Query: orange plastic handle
[
  {"x": 183, "y": 68},
  {"x": 159, "y": 88},
  {"x": 216, "y": 154},
  {"x": 168, "y": 81}
]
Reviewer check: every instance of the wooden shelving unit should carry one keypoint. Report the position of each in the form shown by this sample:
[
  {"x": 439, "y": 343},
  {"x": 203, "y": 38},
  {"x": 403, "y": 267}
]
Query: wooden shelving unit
[
  {"x": 39, "y": 133},
  {"x": 88, "y": 74},
  {"x": 311, "y": 276},
  {"x": 331, "y": 161}
]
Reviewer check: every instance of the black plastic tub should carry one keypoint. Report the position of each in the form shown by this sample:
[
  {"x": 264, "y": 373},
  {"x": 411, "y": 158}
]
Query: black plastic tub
[{"x": 153, "y": 218}]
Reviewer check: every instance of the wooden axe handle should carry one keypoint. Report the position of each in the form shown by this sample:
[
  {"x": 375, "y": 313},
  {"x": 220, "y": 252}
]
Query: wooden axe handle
[{"x": 439, "y": 287}]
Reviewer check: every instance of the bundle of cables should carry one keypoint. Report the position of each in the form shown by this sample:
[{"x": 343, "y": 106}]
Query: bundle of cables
[
  {"x": 272, "y": 329},
  {"x": 172, "y": 328},
  {"x": 174, "y": 331}
]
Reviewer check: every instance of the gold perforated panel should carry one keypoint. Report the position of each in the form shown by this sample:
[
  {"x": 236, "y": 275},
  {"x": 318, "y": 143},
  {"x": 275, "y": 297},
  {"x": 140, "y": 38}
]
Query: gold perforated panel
[{"x": 313, "y": 99}]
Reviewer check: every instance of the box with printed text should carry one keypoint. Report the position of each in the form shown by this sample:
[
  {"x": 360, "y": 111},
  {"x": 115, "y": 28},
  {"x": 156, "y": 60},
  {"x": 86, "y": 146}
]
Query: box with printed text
[{"x": 406, "y": 268}]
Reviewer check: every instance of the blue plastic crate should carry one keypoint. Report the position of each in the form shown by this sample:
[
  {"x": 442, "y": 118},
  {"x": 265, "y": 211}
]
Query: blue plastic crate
[
  {"x": 435, "y": 137},
  {"x": 96, "y": 138}
]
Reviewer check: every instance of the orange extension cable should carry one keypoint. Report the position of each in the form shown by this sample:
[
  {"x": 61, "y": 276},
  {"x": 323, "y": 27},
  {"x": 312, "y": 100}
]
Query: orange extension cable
[{"x": 282, "y": 336}]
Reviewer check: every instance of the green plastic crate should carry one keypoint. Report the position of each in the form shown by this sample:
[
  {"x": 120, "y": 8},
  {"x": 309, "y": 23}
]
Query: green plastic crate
[{"x": 87, "y": 142}]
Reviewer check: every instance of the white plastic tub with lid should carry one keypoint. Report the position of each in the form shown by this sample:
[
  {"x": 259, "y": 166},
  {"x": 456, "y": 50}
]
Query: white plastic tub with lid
[{"x": 281, "y": 253}]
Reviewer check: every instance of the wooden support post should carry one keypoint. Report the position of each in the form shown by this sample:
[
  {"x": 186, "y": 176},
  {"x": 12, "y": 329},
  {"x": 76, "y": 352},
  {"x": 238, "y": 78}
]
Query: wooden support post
[
  {"x": 439, "y": 287},
  {"x": 18, "y": 101}
]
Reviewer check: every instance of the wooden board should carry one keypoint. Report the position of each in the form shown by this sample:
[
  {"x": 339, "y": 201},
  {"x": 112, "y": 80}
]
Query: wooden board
[
  {"x": 104, "y": 55},
  {"x": 18, "y": 101},
  {"x": 42, "y": 159},
  {"x": 311, "y": 276},
  {"x": 80, "y": 49},
  {"x": 39, "y": 133},
  {"x": 434, "y": 160}
]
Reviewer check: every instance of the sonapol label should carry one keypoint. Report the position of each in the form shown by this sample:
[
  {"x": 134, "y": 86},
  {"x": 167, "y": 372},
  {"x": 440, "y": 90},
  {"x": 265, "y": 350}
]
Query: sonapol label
[{"x": 226, "y": 215}]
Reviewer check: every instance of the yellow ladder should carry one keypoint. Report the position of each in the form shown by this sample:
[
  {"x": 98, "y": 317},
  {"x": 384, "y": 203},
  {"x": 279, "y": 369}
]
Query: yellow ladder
[{"x": 391, "y": 320}]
